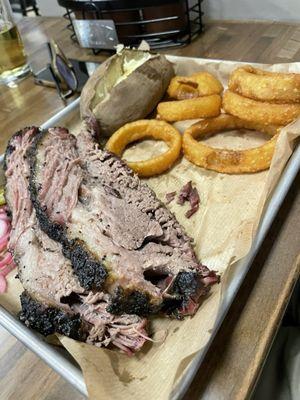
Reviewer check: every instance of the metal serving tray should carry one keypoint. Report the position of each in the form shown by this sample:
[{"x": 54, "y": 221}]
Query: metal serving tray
[{"x": 62, "y": 362}]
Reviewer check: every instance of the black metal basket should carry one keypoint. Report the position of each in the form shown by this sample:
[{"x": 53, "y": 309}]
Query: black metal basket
[{"x": 161, "y": 23}]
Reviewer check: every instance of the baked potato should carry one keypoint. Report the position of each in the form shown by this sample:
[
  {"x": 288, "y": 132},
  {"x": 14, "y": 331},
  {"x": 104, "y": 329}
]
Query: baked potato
[{"x": 125, "y": 88}]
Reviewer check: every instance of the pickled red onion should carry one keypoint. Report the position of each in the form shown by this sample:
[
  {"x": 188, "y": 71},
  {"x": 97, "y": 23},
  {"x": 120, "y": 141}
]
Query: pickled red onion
[
  {"x": 4, "y": 241},
  {"x": 6, "y": 259},
  {"x": 3, "y": 284},
  {"x": 7, "y": 269},
  {"x": 4, "y": 226}
]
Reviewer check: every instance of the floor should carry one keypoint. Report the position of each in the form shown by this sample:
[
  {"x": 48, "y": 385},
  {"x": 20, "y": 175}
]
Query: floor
[{"x": 24, "y": 376}]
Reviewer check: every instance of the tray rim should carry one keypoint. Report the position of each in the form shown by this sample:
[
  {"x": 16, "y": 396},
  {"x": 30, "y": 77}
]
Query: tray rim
[{"x": 63, "y": 366}]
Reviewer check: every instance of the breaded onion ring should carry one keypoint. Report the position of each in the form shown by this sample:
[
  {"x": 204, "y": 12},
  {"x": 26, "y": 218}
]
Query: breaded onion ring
[
  {"x": 259, "y": 111},
  {"x": 228, "y": 161},
  {"x": 151, "y": 129},
  {"x": 197, "y": 85},
  {"x": 274, "y": 87},
  {"x": 200, "y": 107}
]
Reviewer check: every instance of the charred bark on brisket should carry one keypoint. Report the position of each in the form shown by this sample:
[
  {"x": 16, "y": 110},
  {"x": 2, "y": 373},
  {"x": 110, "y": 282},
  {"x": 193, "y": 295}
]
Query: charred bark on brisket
[
  {"x": 130, "y": 303},
  {"x": 10, "y": 148},
  {"x": 50, "y": 320},
  {"x": 54, "y": 300},
  {"x": 114, "y": 229},
  {"x": 90, "y": 271}
]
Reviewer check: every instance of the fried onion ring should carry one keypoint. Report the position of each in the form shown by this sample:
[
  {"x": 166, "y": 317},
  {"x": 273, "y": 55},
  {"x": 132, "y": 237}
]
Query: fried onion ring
[
  {"x": 200, "y": 107},
  {"x": 259, "y": 111},
  {"x": 197, "y": 85},
  {"x": 274, "y": 87},
  {"x": 151, "y": 129},
  {"x": 228, "y": 161}
]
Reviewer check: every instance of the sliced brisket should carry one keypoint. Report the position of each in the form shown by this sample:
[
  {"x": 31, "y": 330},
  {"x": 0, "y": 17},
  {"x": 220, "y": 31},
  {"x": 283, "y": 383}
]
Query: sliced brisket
[
  {"x": 119, "y": 237},
  {"x": 54, "y": 300}
]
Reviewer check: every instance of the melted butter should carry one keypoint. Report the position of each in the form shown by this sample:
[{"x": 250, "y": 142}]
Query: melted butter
[
  {"x": 130, "y": 65},
  {"x": 120, "y": 68}
]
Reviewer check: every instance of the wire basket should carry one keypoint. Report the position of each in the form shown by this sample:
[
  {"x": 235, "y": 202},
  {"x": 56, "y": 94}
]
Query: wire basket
[{"x": 161, "y": 23}]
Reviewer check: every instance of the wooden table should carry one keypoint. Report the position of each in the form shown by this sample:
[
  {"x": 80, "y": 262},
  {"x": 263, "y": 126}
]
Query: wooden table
[{"x": 235, "y": 359}]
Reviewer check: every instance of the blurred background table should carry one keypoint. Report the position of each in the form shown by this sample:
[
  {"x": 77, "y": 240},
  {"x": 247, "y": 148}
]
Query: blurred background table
[{"x": 237, "y": 355}]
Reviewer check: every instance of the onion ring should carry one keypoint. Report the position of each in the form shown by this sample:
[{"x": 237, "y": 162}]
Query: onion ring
[
  {"x": 200, "y": 107},
  {"x": 277, "y": 87},
  {"x": 228, "y": 161},
  {"x": 196, "y": 85},
  {"x": 142, "y": 129},
  {"x": 258, "y": 111}
]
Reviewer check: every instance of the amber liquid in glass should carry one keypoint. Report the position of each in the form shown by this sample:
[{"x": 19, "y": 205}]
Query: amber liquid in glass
[{"x": 12, "y": 55}]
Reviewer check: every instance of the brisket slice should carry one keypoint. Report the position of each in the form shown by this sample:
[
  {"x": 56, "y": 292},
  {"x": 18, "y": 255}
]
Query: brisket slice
[
  {"x": 54, "y": 300},
  {"x": 119, "y": 237}
]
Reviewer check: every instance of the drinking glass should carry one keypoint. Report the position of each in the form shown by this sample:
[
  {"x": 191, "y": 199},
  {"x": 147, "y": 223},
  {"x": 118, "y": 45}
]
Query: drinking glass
[{"x": 13, "y": 60}]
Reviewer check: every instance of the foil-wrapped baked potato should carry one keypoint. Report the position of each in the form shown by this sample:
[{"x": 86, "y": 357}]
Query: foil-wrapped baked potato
[{"x": 125, "y": 88}]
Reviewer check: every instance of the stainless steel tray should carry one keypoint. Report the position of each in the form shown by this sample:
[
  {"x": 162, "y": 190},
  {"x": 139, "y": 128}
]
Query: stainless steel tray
[{"x": 59, "y": 359}]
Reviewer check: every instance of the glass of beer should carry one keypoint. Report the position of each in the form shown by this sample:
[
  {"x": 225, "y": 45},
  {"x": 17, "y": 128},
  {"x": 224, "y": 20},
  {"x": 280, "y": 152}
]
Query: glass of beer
[{"x": 13, "y": 61}]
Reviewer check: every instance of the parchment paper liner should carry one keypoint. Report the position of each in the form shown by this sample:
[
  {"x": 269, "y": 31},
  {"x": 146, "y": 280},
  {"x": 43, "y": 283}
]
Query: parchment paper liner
[{"x": 223, "y": 229}]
